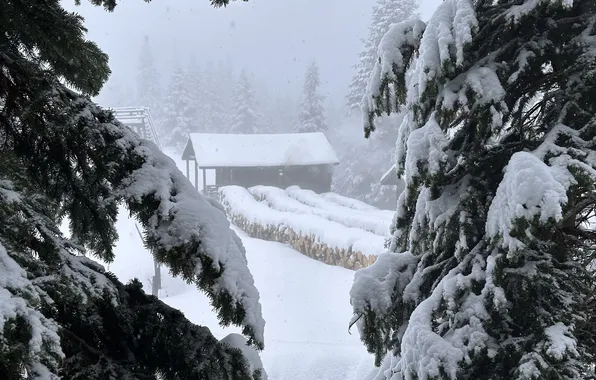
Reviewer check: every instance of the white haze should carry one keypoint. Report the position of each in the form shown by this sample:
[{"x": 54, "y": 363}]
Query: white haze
[{"x": 274, "y": 39}]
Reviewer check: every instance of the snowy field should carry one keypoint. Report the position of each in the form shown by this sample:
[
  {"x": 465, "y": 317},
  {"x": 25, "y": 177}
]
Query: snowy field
[{"x": 305, "y": 304}]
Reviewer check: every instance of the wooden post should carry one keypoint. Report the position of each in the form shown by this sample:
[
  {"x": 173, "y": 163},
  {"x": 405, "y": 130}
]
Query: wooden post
[
  {"x": 204, "y": 179},
  {"x": 188, "y": 170},
  {"x": 156, "y": 285},
  {"x": 196, "y": 176},
  {"x": 156, "y": 281}
]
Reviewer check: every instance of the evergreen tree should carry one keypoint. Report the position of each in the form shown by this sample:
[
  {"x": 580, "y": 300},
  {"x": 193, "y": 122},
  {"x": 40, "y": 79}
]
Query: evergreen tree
[
  {"x": 178, "y": 111},
  {"x": 224, "y": 88},
  {"x": 268, "y": 121},
  {"x": 215, "y": 106},
  {"x": 148, "y": 81},
  {"x": 194, "y": 88},
  {"x": 311, "y": 115},
  {"x": 214, "y": 88},
  {"x": 358, "y": 175},
  {"x": 248, "y": 118},
  {"x": 384, "y": 13},
  {"x": 210, "y": 99},
  {"x": 488, "y": 274},
  {"x": 62, "y": 315}
]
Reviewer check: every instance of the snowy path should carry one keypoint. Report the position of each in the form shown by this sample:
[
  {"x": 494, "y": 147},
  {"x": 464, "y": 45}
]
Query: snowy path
[{"x": 305, "y": 305}]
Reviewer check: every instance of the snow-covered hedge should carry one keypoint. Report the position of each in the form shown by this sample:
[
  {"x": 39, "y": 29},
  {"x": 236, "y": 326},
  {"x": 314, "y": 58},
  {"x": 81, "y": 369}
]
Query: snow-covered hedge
[
  {"x": 322, "y": 200},
  {"x": 312, "y": 235},
  {"x": 307, "y": 202},
  {"x": 348, "y": 202}
]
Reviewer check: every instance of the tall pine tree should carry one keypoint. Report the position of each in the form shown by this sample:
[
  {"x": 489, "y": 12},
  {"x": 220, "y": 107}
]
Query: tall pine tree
[
  {"x": 64, "y": 316},
  {"x": 266, "y": 106},
  {"x": 311, "y": 114},
  {"x": 194, "y": 88},
  {"x": 358, "y": 176},
  {"x": 248, "y": 118},
  {"x": 223, "y": 85},
  {"x": 384, "y": 13},
  {"x": 215, "y": 106},
  {"x": 488, "y": 274},
  {"x": 178, "y": 111}
]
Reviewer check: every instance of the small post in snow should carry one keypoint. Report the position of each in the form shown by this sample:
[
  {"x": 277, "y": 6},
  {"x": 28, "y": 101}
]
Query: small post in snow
[{"x": 156, "y": 283}]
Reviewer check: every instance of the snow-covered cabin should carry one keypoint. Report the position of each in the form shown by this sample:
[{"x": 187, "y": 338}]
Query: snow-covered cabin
[
  {"x": 282, "y": 160},
  {"x": 390, "y": 179}
]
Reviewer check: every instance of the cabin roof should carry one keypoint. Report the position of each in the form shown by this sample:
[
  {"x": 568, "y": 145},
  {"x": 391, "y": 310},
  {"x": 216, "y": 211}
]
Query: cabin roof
[
  {"x": 390, "y": 177},
  {"x": 217, "y": 150}
]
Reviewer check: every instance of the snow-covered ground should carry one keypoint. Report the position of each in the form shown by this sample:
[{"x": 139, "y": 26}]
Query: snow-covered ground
[
  {"x": 307, "y": 202},
  {"x": 305, "y": 305}
]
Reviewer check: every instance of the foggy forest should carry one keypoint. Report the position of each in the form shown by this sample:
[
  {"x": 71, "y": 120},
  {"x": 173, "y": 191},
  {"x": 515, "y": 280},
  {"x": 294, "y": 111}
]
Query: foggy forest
[{"x": 297, "y": 190}]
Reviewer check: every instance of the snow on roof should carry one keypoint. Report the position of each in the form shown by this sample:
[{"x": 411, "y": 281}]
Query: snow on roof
[
  {"x": 212, "y": 150},
  {"x": 390, "y": 177}
]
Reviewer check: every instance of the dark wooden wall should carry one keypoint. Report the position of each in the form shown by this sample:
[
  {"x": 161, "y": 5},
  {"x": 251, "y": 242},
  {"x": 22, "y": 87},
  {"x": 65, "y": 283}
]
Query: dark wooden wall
[
  {"x": 248, "y": 177},
  {"x": 316, "y": 177}
]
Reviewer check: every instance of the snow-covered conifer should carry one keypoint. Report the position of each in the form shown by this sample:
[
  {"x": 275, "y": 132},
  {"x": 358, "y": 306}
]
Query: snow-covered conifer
[
  {"x": 248, "y": 118},
  {"x": 216, "y": 104},
  {"x": 266, "y": 105},
  {"x": 384, "y": 13},
  {"x": 358, "y": 175},
  {"x": 62, "y": 315},
  {"x": 194, "y": 88},
  {"x": 487, "y": 277},
  {"x": 311, "y": 114},
  {"x": 225, "y": 82},
  {"x": 178, "y": 111}
]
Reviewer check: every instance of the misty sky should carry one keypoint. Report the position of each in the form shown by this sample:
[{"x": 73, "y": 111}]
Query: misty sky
[{"x": 275, "y": 39}]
